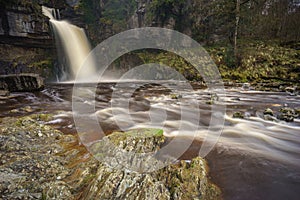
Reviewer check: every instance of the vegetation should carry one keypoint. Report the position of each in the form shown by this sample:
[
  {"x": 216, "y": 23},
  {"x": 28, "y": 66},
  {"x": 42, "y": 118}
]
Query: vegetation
[
  {"x": 231, "y": 21},
  {"x": 260, "y": 61},
  {"x": 106, "y": 18},
  {"x": 248, "y": 39}
]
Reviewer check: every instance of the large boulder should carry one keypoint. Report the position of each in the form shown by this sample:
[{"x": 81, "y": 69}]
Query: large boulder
[
  {"x": 21, "y": 82},
  {"x": 182, "y": 180}
]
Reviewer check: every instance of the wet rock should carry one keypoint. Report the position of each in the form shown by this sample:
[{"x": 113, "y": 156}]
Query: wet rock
[
  {"x": 184, "y": 180},
  {"x": 175, "y": 96},
  {"x": 238, "y": 115},
  {"x": 286, "y": 114},
  {"x": 297, "y": 112},
  {"x": 236, "y": 99},
  {"x": 246, "y": 86},
  {"x": 270, "y": 118},
  {"x": 4, "y": 93},
  {"x": 210, "y": 102},
  {"x": 21, "y": 82},
  {"x": 213, "y": 98},
  {"x": 269, "y": 111},
  {"x": 293, "y": 91},
  {"x": 54, "y": 166},
  {"x": 27, "y": 109}
]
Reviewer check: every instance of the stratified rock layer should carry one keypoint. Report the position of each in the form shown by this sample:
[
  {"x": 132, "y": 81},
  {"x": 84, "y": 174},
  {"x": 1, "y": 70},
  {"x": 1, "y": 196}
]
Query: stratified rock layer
[{"x": 21, "y": 82}]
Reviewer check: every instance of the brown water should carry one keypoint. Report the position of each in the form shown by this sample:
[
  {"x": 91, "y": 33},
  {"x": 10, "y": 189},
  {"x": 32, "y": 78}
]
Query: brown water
[{"x": 253, "y": 159}]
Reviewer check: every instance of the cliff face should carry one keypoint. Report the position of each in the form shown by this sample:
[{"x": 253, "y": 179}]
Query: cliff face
[
  {"x": 24, "y": 26},
  {"x": 26, "y": 44},
  {"x": 26, "y": 41}
]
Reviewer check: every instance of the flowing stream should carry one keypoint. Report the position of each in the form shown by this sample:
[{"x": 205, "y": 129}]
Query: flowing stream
[{"x": 253, "y": 158}]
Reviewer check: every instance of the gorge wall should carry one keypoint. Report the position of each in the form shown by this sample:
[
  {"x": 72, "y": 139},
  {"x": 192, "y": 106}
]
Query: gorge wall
[
  {"x": 26, "y": 40},
  {"x": 26, "y": 44}
]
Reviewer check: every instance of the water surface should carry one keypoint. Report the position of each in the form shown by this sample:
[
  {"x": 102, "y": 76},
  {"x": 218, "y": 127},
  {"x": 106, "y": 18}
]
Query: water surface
[{"x": 253, "y": 159}]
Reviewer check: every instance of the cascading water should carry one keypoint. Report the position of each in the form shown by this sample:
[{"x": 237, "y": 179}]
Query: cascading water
[{"x": 75, "y": 46}]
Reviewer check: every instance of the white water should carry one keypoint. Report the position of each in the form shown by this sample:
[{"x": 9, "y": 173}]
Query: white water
[{"x": 75, "y": 44}]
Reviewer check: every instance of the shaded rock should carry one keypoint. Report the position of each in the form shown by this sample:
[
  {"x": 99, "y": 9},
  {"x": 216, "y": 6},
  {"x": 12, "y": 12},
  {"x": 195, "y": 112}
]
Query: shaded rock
[
  {"x": 21, "y": 82},
  {"x": 23, "y": 25}
]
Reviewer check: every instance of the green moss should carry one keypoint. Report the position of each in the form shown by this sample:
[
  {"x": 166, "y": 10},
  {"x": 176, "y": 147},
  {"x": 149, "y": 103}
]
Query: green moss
[
  {"x": 42, "y": 117},
  {"x": 42, "y": 64},
  {"x": 137, "y": 133}
]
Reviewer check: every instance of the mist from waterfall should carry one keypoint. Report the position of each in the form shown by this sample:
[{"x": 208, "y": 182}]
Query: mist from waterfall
[{"x": 72, "y": 46}]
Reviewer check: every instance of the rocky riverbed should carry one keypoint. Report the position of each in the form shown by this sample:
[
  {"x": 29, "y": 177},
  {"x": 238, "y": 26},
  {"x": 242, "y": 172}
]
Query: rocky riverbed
[{"x": 40, "y": 162}]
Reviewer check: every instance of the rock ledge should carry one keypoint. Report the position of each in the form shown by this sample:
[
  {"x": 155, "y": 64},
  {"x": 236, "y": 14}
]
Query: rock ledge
[{"x": 21, "y": 82}]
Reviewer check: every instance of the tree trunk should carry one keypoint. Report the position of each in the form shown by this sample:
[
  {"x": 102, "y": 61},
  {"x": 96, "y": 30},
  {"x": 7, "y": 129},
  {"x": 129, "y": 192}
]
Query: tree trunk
[{"x": 237, "y": 21}]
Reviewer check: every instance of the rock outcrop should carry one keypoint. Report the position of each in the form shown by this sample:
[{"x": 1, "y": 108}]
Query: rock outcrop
[
  {"x": 26, "y": 43},
  {"x": 23, "y": 25},
  {"x": 38, "y": 162},
  {"x": 21, "y": 82}
]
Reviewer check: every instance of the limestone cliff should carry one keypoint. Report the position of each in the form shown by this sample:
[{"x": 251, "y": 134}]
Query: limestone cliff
[
  {"x": 26, "y": 41},
  {"x": 26, "y": 44}
]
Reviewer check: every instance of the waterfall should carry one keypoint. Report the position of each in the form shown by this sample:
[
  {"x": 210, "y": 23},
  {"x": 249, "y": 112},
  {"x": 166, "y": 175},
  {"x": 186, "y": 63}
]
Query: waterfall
[{"x": 72, "y": 42}]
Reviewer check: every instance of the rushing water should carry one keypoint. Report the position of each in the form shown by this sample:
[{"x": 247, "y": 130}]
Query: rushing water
[
  {"x": 72, "y": 45},
  {"x": 253, "y": 159}
]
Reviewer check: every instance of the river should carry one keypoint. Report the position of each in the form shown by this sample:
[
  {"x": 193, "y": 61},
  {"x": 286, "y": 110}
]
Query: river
[{"x": 253, "y": 158}]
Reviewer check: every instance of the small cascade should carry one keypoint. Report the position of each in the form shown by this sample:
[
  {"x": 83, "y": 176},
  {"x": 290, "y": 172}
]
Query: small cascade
[{"x": 72, "y": 46}]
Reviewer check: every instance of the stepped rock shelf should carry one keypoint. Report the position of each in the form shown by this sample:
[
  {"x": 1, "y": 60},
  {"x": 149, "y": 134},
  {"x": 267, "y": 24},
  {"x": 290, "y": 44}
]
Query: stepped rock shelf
[
  {"x": 39, "y": 162},
  {"x": 21, "y": 82}
]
